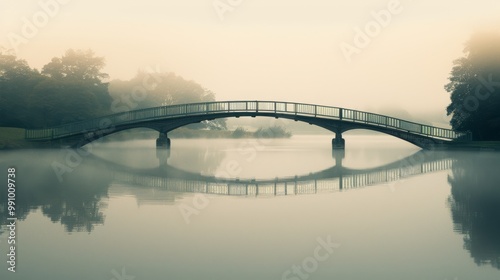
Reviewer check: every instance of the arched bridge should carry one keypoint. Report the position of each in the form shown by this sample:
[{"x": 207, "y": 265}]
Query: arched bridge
[{"x": 167, "y": 118}]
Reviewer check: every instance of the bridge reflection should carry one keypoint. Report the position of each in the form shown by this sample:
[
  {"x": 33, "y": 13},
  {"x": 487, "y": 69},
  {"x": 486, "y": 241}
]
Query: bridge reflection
[{"x": 336, "y": 178}]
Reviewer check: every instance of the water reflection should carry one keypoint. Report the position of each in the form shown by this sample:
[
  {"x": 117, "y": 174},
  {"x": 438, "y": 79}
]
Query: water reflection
[
  {"x": 335, "y": 178},
  {"x": 475, "y": 205},
  {"x": 77, "y": 201}
]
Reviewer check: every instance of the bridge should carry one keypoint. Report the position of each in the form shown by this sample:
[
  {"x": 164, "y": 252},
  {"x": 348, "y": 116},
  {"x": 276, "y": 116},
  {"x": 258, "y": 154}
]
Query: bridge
[{"x": 167, "y": 118}]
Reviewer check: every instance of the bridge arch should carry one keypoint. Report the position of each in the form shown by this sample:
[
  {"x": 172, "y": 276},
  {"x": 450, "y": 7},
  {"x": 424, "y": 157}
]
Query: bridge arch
[
  {"x": 167, "y": 118},
  {"x": 337, "y": 127}
]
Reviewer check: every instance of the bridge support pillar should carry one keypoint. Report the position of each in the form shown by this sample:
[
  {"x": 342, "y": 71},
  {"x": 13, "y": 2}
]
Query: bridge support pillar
[
  {"x": 338, "y": 143},
  {"x": 162, "y": 155},
  {"x": 163, "y": 141},
  {"x": 338, "y": 155}
]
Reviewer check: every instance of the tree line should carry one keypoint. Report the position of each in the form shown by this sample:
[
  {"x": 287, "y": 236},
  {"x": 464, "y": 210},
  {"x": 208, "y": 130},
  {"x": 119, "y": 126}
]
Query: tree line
[
  {"x": 74, "y": 87},
  {"x": 475, "y": 88}
]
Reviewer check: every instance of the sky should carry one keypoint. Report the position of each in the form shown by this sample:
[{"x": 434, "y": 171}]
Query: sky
[{"x": 378, "y": 55}]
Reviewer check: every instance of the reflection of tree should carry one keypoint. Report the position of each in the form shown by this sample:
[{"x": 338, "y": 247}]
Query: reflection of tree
[
  {"x": 475, "y": 206},
  {"x": 75, "y": 202},
  {"x": 76, "y": 211}
]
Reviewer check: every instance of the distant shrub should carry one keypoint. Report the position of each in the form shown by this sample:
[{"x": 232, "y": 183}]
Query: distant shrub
[
  {"x": 239, "y": 132},
  {"x": 272, "y": 132}
]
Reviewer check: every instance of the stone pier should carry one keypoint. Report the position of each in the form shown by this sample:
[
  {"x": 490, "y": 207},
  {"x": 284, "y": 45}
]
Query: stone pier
[
  {"x": 163, "y": 141},
  {"x": 338, "y": 143}
]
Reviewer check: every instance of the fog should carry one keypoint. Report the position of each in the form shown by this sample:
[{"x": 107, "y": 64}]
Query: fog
[{"x": 266, "y": 50}]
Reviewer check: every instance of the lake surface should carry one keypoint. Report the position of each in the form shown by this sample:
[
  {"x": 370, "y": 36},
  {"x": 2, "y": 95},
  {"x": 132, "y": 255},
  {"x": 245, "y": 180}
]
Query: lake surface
[{"x": 253, "y": 209}]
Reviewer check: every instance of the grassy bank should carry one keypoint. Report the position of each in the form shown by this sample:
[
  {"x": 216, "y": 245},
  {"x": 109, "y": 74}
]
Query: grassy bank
[
  {"x": 13, "y": 138},
  {"x": 477, "y": 145}
]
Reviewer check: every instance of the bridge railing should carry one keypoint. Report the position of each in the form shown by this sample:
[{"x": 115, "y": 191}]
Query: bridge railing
[{"x": 276, "y": 107}]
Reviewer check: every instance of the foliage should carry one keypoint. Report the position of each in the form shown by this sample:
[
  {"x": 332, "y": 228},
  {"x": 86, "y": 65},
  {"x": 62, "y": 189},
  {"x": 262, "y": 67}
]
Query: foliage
[
  {"x": 475, "y": 88},
  {"x": 11, "y": 138},
  {"x": 68, "y": 89},
  {"x": 73, "y": 87},
  {"x": 239, "y": 132},
  {"x": 152, "y": 89},
  {"x": 272, "y": 132},
  {"x": 16, "y": 82}
]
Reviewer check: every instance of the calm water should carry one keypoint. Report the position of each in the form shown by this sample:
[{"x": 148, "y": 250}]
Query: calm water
[{"x": 254, "y": 209}]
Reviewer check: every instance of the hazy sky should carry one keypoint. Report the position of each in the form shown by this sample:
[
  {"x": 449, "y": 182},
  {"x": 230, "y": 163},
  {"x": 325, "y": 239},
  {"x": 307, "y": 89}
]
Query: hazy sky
[{"x": 265, "y": 49}]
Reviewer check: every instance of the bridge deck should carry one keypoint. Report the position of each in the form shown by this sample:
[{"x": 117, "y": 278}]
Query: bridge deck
[{"x": 277, "y": 108}]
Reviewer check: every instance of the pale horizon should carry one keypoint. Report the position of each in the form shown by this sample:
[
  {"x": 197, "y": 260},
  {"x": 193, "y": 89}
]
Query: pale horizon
[{"x": 287, "y": 50}]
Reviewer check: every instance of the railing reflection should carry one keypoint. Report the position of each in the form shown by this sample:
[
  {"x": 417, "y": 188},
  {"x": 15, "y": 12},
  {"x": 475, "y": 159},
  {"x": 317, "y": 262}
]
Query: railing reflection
[{"x": 336, "y": 178}]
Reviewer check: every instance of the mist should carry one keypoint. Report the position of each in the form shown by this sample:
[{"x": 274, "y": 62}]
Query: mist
[{"x": 257, "y": 50}]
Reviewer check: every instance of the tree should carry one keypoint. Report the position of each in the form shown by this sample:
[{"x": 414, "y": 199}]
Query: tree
[
  {"x": 83, "y": 70},
  {"x": 77, "y": 65},
  {"x": 475, "y": 88},
  {"x": 16, "y": 82},
  {"x": 54, "y": 102},
  {"x": 69, "y": 89},
  {"x": 152, "y": 89}
]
